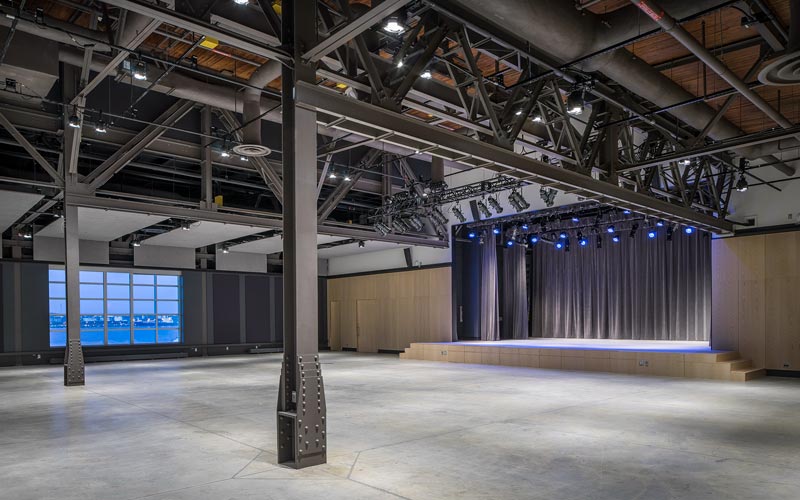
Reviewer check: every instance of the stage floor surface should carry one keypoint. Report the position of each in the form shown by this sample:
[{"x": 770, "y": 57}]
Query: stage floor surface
[{"x": 671, "y": 346}]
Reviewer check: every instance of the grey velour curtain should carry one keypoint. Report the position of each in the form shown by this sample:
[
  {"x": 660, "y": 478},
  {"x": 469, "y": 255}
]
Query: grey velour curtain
[
  {"x": 515, "y": 293},
  {"x": 639, "y": 288},
  {"x": 490, "y": 321}
]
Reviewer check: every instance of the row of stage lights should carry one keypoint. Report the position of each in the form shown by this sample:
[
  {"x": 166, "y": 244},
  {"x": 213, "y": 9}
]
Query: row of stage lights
[{"x": 560, "y": 239}]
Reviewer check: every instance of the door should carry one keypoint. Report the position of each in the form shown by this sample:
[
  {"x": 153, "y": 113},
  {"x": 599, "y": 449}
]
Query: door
[
  {"x": 367, "y": 325},
  {"x": 334, "y": 338}
]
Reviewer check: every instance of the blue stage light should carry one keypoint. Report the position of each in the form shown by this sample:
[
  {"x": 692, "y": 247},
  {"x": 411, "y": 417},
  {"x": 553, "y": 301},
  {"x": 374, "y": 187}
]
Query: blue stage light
[
  {"x": 471, "y": 234},
  {"x": 534, "y": 239},
  {"x": 524, "y": 227},
  {"x": 660, "y": 223},
  {"x": 688, "y": 230},
  {"x": 626, "y": 212},
  {"x": 615, "y": 238},
  {"x": 559, "y": 245},
  {"x": 575, "y": 218},
  {"x": 562, "y": 235},
  {"x": 510, "y": 243},
  {"x": 496, "y": 230},
  {"x": 651, "y": 233},
  {"x": 610, "y": 229},
  {"x": 583, "y": 242}
]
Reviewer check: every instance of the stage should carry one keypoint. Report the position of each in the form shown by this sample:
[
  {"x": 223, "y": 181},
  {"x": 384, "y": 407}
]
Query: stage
[{"x": 633, "y": 357}]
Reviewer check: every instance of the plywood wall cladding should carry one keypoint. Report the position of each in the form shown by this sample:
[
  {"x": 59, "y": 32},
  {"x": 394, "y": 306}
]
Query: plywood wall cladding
[
  {"x": 756, "y": 309},
  {"x": 389, "y": 311}
]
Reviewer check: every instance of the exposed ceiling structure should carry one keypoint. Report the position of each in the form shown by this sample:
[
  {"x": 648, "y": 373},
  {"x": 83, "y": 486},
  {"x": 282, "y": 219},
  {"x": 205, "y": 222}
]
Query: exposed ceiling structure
[
  {"x": 178, "y": 106},
  {"x": 102, "y": 225}
]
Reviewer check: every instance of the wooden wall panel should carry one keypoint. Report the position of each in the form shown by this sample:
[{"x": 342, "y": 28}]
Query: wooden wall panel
[
  {"x": 755, "y": 311},
  {"x": 411, "y": 306},
  {"x": 725, "y": 294},
  {"x": 334, "y": 323}
]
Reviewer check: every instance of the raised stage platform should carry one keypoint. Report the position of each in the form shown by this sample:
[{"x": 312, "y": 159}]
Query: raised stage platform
[{"x": 634, "y": 357}]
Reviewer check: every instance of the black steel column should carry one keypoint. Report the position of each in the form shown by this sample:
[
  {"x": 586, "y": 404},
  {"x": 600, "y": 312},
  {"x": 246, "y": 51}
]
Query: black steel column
[
  {"x": 73, "y": 356},
  {"x": 301, "y": 398}
]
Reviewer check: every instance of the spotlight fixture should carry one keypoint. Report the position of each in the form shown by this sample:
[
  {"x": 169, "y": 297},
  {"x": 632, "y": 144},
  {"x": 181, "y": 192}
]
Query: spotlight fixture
[
  {"x": 400, "y": 63},
  {"x": 225, "y": 153},
  {"x": 566, "y": 245},
  {"x": 516, "y": 200},
  {"x": 346, "y": 177},
  {"x": 510, "y": 243},
  {"x": 361, "y": 244},
  {"x": 471, "y": 235},
  {"x": 244, "y": 158},
  {"x": 626, "y": 212},
  {"x": 634, "y": 228},
  {"x": 660, "y": 223},
  {"x": 496, "y": 230},
  {"x": 415, "y": 222},
  {"x": 615, "y": 238},
  {"x": 741, "y": 184},
  {"x": 524, "y": 227},
  {"x": 495, "y": 204},
  {"x": 438, "y": 216},
  {"x": 688, "y": 230},
  {"x": 582, "y": 241},
  {"x": 225, "y": 250},
  {"x": 559, "y": 245},
  {"x": 332, "y": 175},
  {"x": 140, "y": 70},
  {"x": 100, "y": 126},
  {"x": 575, "y": 102},
  {"x": 393, "y": 25},
  {"x": 136, "y": 242},
  {"x": 537, "y": 117},
  {"x": 382, "y": 228},
  {"x": 534, "y": 239},
  {"x": 186, "y": 225},
  {"x": 518, "y": 112},
  {"x": 459, "y": 214},
  {"x": 562, "y": 235},
  {"x": 25, "y": 232},
  {"x": 685, "y": 162},
  {"x": 399, "y": 226},
  {"x": 651, "y": 233},
  {"x": 426, "y": 74},
  {"x": 483, "y": 209},
  {"x": 241, "y": 2},
  {"x": 74, "y": 119},
  {"x": 575, "y": 218},
  {"x": 610, "y": 229}
]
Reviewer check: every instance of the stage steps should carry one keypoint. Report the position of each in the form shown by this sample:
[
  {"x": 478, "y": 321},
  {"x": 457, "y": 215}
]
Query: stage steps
[{"x": 722, "y": 365}]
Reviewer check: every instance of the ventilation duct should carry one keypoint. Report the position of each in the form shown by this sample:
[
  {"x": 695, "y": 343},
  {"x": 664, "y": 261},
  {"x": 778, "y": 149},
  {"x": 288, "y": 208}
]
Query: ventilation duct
[
  {"x": 785, "y": 70},
  {"x": 251, "y": 110}
]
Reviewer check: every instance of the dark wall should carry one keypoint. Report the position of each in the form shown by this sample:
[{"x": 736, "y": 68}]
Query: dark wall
[
  {"x": 466, "y": 290},
  {"x": 219, "y": 309}
]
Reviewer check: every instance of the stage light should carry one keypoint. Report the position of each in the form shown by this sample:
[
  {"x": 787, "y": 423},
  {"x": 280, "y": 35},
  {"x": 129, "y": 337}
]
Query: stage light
[
  {"x": 534, "y": 239},
  {"x": 495, "y": 204},
  {"x": 332, "y": 175},
  {"x": 741, "y": 184},
  {"x": 685, "y": 162},
  {"x": 562, "y": 235},
  {"x": 438, "y": 216},
  {"x": 399, "y": 226},
  {"x": 241, "y": 2},
  {"x": 615, "y": 238},
  {"x": 518, "y": 201},
  {"x": 346, "y": 177},
  {"x": 393, "y": 26},
  {"x": 634, "y": 228},
  {"x": 510, "y": 243},
  {"x": 471, "y": 235},
  {"x": 688, "y": 230},
  {"x": 361, "y": 244},
  {"x": 426, "y": 74},
  {"x": 559, "y": 245},
  {"x": 225, "y": 250},
  {"x": 25, "y": 232},
  {"x": 415, "y": 222},
  {"x": 610, "y": 229},
  {"x": 626, "y": 212},
  {"x": 224, "y": 153},
  {"x": 459, "y": 214},
  {"x": 100, "y": 126},
  {"x": 651, "y": 233},
  {"x": 537, "y": 117},
  {"x": 496, "y": 230},
  {"x": 140, "y": 70},
  {"x": 136, "y": 242},
  {"x": 382, "y": 228},
  {"x": 524, "y": 227},
  {"x": 575, "y": 102},
  {"x": 660, "y": 223},
  {"x": 582, "y": 241},
  {"x": 186, "y": 225},
  {"x": 518, "y": 112},
  {"x": 566, "y": 245},
  {"x": 483, "y": 209},
  {"x": 400, "y": 63},
  {"x": 74, "y": 120}
]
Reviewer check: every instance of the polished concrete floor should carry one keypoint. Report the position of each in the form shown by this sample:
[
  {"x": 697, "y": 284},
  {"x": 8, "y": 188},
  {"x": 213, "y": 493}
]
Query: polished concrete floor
[{"x": 205, "y": 429}]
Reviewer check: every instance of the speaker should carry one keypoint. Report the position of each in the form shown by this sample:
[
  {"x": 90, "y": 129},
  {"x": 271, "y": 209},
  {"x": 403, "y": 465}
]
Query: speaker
[
  {"x": 473, "y": 206},
  {"x": 407, "y": 253}
]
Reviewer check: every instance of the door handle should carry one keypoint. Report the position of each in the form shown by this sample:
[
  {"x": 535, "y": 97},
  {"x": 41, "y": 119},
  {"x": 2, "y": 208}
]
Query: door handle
[{"x": 460, "y": 314}]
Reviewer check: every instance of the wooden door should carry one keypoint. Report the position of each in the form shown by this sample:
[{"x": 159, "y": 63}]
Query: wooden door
[
  {"x": 334, "y": 325},
  {"x": 367, "y": 325}
]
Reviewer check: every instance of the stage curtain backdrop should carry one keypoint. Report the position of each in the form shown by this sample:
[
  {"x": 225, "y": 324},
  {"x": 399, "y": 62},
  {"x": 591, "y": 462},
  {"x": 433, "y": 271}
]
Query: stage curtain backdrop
[
  {"x": 515, "y": 293},
  {"x": 490, "y": 321},
  {"x": 636, "y": 289}
]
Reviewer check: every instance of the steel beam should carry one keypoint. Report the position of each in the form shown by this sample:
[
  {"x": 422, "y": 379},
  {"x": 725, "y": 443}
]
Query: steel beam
[
  {"x": 338, "y": 194},
  {"x": 140, "y": 141},
  {"x": 353, "y": 29},
  {"x": 474, "y": 153},
  {"x": 206, "y": 161},
  {"x": 22, "y": 141},
  {"x": 301, "y": 411},
  {"x": 73, "y": 356}
]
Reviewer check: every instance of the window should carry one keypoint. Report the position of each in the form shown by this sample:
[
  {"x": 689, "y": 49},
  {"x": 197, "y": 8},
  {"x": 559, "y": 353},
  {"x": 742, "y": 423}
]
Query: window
[{"x": 119, "y": 308}]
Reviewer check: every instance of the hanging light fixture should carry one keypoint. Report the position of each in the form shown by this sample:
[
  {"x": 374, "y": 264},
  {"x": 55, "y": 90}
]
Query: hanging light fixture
[
  {"x": 495, "y": 204},
  {"x": 741, "y": 184},
  {"x": 74, "y": 119},
  {"x": 393, "y": 25},
  {"x": 241, "y": 2},
  {"x": 575, "y": 102},
  {"x": 140, "y": 70},
  {"x": 100, "y": 126},
  {"x": 426, "y": 74},
  {"x": 537, "y": 117},
  {"x": 459, "y": 214}
]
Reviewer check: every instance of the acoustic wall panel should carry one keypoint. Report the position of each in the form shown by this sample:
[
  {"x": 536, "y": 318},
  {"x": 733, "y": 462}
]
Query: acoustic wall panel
[
  {"x": 257, "y": 297},
  {"x": 226, "y": 317},
  {"x": 194, "y": 310},
  {"x": 34, "y": 310}
]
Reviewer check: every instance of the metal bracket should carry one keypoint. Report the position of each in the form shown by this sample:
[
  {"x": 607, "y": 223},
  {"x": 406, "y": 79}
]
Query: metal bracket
[
  {"x": 301, "y": 413},
  {"x": 74, "y": 372}
]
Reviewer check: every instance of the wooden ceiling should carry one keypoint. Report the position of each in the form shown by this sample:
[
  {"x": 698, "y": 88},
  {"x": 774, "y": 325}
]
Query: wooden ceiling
[{"x": 716, "y": 29}]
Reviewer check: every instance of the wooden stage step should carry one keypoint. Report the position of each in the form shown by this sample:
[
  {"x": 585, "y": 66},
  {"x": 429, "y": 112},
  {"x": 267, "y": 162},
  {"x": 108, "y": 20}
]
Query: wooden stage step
[{"x": 718, "y": 365}]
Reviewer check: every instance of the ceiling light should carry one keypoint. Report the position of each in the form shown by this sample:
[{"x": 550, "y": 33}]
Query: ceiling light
[
  {"x": 575, "y": 102},
  {"x": 534, "y": 238},
  {"x": 471, "y": 235},
  {"x": 140, "y": 70},
  {"x": 685, "y": 162},
  {"x": 346, "y": 177},
  {"x": 361, "y": 244},
  {"x": 660, "y": 223},
  {"x": 688, "y": 230},
  {"x": 225, "y": 153},
  {"x": 241, "y": 2},
  {"x": 74, "y": 119},
  {"x": 496, "y": 230},
  {"x": 100, "y": 127},
  {"x": 562, "y": 235},
  {"x": 483, "y": 209},
  {"x": 393, "y": 25},
  {"x": 537, "y": 117},
  {"x": 741, "y": 184},
  {"x": 495, "y": 204},
  {"x": 615, "y": 238},
  {"x": 610, "y": 229},
  {"x": 225, "y": 250},
  {"x": 518, "y": 112},
  {"x": 651, "y": 233},
  {"x": 400, "y": 63},
  {"x": 426, "y": 74},
  {"x": 136, "y": 243},
  {"x": 244, "y": 158},
  {"x": 332, "y": 175},
  {"x": 186, "y": 225}
]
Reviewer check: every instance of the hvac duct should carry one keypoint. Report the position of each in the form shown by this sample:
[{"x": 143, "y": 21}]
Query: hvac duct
[
  {"x": 251, "y": 132},
  {"x": 557, "y": 28}
]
